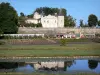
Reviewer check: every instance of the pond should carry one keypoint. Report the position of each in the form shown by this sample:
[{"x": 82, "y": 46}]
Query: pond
[{"x": 66, "y": 66}]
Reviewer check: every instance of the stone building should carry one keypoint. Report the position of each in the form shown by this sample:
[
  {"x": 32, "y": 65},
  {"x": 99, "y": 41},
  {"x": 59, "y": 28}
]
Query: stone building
[
  {"x": 50, "y": 21},
  {"x": 36, "y": 18}
]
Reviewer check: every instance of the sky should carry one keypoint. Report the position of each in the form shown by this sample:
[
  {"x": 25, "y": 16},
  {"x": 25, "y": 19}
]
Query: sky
[{"x": 78, "y": 9}]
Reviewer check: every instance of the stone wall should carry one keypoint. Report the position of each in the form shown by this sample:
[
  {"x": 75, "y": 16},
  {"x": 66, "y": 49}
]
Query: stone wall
[{"x": 30, "y": 30}]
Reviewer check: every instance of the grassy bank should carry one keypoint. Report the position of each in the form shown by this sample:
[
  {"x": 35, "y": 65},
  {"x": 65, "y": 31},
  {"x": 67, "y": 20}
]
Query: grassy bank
[
  {"x": 92, "y": 46},
  {"x": 50, "y": 50},
  {"x": 49, "y": 53},
  {"x": 45, "y": 41}
]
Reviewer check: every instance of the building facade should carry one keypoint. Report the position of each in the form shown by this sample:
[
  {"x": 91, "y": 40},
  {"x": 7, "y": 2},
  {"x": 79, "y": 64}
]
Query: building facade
[{"x": 50, "y": 21}]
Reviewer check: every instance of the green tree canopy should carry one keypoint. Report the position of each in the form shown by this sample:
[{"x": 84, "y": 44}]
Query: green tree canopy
[
  {"x": 81, "y": 23},
  {"x": 8, "y": 19},
  {"x": 47, "y": 10},
  {"x": 21, "y": 19},
  {"x": 30, "y": 16},
  {"x": 1, "y": 31},
  {"x": 22, "y": 14},
  {"x": 92, "y": 20},
  {"x": 69, "y": 21},
  {"x": 99, "y": 23}
]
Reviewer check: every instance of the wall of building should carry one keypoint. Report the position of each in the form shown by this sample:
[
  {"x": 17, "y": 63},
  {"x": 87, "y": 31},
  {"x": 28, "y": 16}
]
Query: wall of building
[
  {"x": 36, "y": 15},
  {"x": 60, "y": 21},
  {"x": 32, "y": 21},
  {"x": 49, "y": 21}
]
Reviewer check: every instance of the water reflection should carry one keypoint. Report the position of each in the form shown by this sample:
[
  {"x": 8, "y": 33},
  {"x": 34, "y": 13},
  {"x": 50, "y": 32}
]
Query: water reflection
[
  {"x": 8, "y": 65},
  {"x": 64, "y": 66},
  {"x": 53, "y": 66},
  {"x": 92, "y": 64},
  {"x": 27, "y": 68}
]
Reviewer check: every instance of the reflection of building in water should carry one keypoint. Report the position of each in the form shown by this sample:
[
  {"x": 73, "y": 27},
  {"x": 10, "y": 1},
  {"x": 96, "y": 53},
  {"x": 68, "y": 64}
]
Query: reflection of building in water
[{"x": 52, "y": 65}]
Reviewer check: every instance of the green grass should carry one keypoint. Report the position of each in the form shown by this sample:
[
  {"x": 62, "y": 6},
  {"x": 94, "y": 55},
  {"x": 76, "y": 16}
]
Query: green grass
[
  {"x": 92, "y": 46},
  {"x": 50, "y": 50},
  {"x": 38, "y": 53},
  {"x": 78, "y": 40}
]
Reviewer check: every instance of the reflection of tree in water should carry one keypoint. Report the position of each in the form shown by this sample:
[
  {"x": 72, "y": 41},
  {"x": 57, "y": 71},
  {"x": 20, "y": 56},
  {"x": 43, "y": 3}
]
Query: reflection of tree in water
[
  {"x": 8, "y": 65},
  {"x": 68, "y": 64},
  {"x": 92, "y": 64},
  {"x": 31, "y": 65},
  {"x": 21, "y": 64}
]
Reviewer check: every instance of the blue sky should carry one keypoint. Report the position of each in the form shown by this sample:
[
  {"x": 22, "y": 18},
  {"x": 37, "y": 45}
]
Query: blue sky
[{"x": 79, "y": 9}]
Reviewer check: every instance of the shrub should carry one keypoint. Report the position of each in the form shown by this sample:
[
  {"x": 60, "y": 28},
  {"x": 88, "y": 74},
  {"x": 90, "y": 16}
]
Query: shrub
[
  {"x": 78, "y": 40},
  {"x": 97, "y": 40},
  {"x": 32, "y": 25},
  {"x": 97, "y": 35},
  {"x": 2, "y": 42},
  {"x": 62, "y": 42}
]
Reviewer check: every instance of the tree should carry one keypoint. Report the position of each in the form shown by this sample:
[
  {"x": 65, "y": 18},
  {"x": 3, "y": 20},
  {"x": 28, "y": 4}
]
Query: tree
[
  {"x": 69, "y": 21},
  {"x": 39, "y": 25},
  {"x": 8, "y": 19},
  {"x": 30, "y": 16},
  {"x": 22, "y": 19},
  {"x": 92, "y": 20},
  {"x": 1, "y": 31},
  {"x": 1, "y": 36},
  {"x": 22, "y": 14},
  {"x": 81, "y": 23},
  {"x": 64, "y": 12},
  {"x": 47, "y": 10},
  {"x": 8, "y": 65},
  {"x": 99, "y": 23}
]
